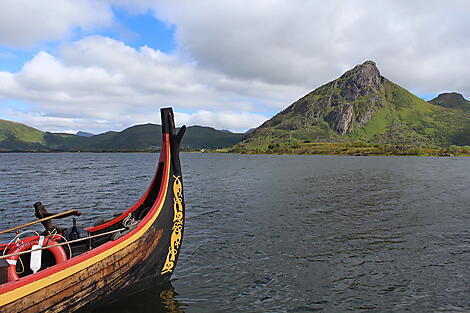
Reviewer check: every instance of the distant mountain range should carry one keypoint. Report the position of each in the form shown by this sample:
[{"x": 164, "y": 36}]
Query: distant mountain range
[
  {"x": 84, "y": 134},
  {"x": 362, "y": 105},
  {"x": 359, "y": 106},
  {"x": 19, "y": 137}
]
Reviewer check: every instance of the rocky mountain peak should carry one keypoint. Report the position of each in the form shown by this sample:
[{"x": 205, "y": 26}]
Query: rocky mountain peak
[
  {"x": 358, "y": 99},
  {"x": 363, "y": 105},
  {"x": 360, "y": 81},
  {"x": 345, "y": 104}
]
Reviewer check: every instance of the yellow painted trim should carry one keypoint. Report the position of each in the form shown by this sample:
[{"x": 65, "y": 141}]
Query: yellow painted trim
[
  {"x": 177, "y": 227},
  {"x": 25, "y": 290}
]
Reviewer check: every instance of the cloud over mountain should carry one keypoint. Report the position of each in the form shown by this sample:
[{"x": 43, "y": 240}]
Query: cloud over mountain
[
  {"x": 243, "y": 59},
  {"x": 422, "y": 44}
]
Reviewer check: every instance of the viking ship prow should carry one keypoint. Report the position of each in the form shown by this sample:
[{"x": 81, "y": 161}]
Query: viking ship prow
[{"x": 69, "y": 269}]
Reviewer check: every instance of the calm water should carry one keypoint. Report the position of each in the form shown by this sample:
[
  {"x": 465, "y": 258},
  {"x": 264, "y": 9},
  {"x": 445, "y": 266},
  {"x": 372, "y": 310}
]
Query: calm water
[{"x": 280, "y": 233}]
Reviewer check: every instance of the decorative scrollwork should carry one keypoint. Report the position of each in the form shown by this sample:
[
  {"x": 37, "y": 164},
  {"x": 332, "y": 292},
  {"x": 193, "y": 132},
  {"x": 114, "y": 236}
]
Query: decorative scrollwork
[{"x": 177, "y": 229}]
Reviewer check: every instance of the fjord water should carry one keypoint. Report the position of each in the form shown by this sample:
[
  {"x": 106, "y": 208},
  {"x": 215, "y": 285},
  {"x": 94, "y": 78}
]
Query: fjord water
[{"x": 270, "y": 233}]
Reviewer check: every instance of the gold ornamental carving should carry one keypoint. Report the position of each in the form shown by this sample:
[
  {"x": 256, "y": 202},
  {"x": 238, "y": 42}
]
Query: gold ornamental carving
[{"x": 177, "y": 229}]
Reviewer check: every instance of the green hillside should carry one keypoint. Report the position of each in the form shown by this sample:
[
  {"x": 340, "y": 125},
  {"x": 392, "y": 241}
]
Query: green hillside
[
  {"x": 19, "y": 137},
  {"x": 407, "y": 119},
  {"x": 20, "y": 132},
  {"x": 452, "y": 100},
  {"x": 196, "y": 138},
  {"x": 361, "y": 105}
]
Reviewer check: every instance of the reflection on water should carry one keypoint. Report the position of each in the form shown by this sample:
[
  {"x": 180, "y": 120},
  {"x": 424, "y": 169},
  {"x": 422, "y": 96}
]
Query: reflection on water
[
  {"x": 169, "y": 302},
  {"x": 163, "y": 299}
]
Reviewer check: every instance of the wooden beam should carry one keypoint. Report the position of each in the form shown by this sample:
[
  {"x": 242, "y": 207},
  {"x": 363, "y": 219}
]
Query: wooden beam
[{"x": 69, "y": 212}]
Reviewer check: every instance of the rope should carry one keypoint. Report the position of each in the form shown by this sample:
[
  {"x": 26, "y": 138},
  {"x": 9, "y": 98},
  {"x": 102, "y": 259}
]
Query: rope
[
  {"x": 17, "y": 237},
  {"x": 14, "y": 240},
  {"x": 68, "y": 244},
  {"x": 129, "y": 222}
]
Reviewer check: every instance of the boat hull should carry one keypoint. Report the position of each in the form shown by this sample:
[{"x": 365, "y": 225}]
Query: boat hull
[{"x": 148, "y": 252}]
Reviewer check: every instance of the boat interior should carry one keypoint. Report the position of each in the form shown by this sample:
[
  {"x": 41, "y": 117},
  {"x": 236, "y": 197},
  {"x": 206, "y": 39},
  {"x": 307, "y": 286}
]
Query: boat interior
[{"x": 30, "y": 251}]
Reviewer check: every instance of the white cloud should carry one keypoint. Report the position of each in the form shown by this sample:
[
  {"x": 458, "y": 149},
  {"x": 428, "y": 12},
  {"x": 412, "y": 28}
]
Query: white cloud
[
  {"x": 238, "y": 121},
  {"x": 56, "y": 124},
  {"x": 99, "y": 78},
  {"x": 233, "y": 58},
  {"x": 24, "y": 23},
  {"x": 422, "y": 44}
]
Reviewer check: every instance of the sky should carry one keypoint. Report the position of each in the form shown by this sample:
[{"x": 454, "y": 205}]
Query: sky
[{"x": 100, "y": 65}]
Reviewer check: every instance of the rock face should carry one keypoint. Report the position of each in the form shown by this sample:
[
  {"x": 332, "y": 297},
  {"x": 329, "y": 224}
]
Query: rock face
[
  {"x": 362, "y": 82},
  {"x": 340, "y": 118},
  {"x": 345, "y": 104}
]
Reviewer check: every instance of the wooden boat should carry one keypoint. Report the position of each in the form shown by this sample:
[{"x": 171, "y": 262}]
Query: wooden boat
[{"x": 139, "y": 246}]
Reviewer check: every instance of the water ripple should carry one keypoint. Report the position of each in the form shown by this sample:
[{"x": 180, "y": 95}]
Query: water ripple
[{"x": 280, "y": 233}]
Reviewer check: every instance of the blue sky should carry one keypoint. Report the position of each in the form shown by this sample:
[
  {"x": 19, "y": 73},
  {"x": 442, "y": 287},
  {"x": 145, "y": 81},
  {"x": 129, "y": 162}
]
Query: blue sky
[
  {"x": 142, "y": 29},
  {"x": 135, "y": 29},
  {"x": 106, "y": 65}
]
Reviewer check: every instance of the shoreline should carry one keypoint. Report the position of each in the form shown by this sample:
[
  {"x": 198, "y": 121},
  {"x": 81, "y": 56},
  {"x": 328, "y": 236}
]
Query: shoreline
[
  {"x": 351, "y": 149},
  {"x": 319, "y": 148}
]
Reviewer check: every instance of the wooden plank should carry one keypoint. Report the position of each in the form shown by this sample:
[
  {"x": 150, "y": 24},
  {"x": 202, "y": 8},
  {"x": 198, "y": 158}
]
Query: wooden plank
[
  {"x": 118, "y": 272},
  {"x": 69, "y": 288}
]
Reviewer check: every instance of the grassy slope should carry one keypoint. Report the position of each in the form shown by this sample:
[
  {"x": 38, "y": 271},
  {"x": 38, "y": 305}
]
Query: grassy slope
[
  {"x": 453, "y": 101},
  {"x": 147, "y": 137},
  {"x": 19, "y": 137},
  {"x": 16, "y": 136},
  {"x": 419, "y": 122},
  {"x": 402, "y": 118},
  {"x": 196, "y": 138},
  {"x": 140, "y": 137},
  {"x": 20, "y": 131}
]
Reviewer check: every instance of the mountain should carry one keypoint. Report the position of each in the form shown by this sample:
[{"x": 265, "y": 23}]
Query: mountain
[
  {"x": 452, "y": 100},
  {"x": 362, "y": 105},
  {"x": 84, "y": 134},
  {"x": 19, "y": 137}
]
